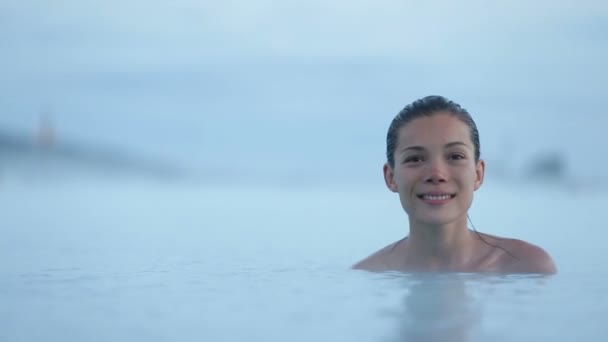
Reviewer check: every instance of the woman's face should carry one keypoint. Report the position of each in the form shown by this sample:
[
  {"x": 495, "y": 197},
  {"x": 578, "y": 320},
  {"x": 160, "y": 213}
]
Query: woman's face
[{"x": 435, "y": 172}]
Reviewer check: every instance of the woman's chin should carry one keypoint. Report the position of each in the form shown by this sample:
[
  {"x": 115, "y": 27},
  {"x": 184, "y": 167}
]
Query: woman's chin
[{"x": 436, "y": 220}]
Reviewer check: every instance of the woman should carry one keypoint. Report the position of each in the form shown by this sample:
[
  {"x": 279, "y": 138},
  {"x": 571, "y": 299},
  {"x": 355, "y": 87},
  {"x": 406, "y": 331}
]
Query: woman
[{"x": 434, "y": 165}]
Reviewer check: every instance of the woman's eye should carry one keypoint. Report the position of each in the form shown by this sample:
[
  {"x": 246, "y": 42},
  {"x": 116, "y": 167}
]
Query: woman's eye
[
  {"x": 457, "y": 156},
  {"x": 413, "y": 159}
]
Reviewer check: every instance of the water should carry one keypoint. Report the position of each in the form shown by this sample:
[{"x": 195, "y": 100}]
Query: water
[{"x": 105, "y": 260}]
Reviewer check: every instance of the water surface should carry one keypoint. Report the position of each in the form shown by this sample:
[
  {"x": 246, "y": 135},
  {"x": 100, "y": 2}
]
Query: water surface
[{"x": 141, "y": 261}]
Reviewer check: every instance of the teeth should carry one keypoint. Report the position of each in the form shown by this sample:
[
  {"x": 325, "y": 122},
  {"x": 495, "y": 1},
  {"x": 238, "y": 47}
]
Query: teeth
[{"x": 436, "y": 197}]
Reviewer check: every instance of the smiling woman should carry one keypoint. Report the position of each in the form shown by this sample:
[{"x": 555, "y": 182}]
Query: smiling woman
[{"x": 433, "y": 164}]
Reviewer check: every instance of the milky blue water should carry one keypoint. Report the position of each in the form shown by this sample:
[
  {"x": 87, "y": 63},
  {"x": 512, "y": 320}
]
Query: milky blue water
[{"x": 108, "y": 260}]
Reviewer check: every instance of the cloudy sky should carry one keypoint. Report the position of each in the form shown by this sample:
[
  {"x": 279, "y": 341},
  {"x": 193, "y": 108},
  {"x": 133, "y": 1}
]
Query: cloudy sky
[{"x": 305, "y": 85}]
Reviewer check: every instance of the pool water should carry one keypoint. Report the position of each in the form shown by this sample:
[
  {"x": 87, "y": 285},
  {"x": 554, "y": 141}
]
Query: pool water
[{"x": 111, "y": 260}]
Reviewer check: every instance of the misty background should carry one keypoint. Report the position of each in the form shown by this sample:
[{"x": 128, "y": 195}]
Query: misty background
[{"x": 265, "y": 91}]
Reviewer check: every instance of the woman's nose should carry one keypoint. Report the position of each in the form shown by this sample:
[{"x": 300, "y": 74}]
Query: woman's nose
[{"x": 436, "y": 173}]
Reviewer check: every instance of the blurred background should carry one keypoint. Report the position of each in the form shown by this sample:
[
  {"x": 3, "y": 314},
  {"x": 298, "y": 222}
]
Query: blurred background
[{"x": 295, "y": 92}]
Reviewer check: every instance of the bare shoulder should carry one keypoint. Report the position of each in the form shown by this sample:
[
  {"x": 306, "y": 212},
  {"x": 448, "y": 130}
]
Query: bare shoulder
[
  {"x": 378, "y": 261},
  {"x": 525, "y": 257}
]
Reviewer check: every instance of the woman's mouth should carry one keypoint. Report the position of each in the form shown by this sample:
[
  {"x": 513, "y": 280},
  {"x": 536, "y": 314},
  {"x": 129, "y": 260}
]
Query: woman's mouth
[{"x": 436, "y": 198}]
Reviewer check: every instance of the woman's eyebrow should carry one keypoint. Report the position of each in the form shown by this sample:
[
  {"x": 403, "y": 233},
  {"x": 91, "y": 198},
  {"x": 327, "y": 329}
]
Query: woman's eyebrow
[
  {"x": 412, "y": 148},
  {"x": 456, "y": 143}
]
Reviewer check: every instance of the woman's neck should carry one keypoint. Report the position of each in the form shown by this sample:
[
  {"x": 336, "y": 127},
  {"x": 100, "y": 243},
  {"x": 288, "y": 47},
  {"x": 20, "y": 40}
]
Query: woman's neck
[{"x": 438, "y": 247}]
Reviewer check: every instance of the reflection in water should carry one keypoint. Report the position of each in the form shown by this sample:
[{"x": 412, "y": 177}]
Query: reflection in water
[{"x": 437, "y": 308}]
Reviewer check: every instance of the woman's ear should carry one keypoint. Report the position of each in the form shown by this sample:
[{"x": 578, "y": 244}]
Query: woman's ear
[
  {"x": 480, "y": 171},
  {"x": 389, "y": 178}
]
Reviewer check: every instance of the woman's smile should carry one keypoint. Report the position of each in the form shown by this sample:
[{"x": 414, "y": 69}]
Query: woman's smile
[{"x": 436, "y": 198}]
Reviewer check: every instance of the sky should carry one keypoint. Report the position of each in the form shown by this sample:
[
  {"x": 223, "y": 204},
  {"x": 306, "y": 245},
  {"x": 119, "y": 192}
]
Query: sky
[{"x": 310, "y": 87}]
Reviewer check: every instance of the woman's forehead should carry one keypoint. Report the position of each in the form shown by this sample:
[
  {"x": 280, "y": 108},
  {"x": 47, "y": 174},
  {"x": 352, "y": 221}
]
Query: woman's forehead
[{"x": 438, "y": 129}]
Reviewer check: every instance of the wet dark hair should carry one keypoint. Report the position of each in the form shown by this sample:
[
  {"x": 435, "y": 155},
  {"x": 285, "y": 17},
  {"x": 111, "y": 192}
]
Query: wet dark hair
[{"x": 426, "y": 107}]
